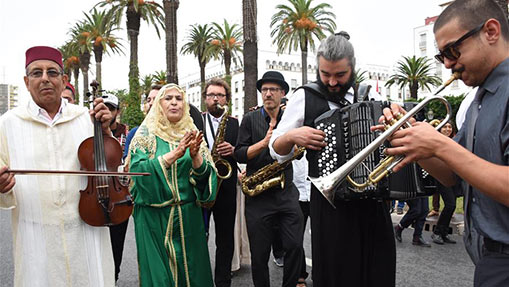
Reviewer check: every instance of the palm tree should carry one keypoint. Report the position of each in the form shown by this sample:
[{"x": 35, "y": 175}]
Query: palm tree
[
  {"x": 146, "y": 84},
  {"x": 71, "y": 64},
  {"x": 135, "y": 10},
  {"x": 198, "y": 42},
  {"x": 360, "y": 76},
  {"x": 170, "y": 22},
  {"x": 81, "y": 42},
  {"x": 416, "y": 73},
  {"x": 160, "y": 77},
  {"x": 101, "y": 28},
  {"x": 297, "y": 23},
  {"x": 226, "y": 44},
  {"x": 249, "y": 12}
]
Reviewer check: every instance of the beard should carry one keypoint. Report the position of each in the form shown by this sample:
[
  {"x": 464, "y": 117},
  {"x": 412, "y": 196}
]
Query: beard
[
  {"x": 215, "y": 111},
  {"x": 343, "y": 88}
]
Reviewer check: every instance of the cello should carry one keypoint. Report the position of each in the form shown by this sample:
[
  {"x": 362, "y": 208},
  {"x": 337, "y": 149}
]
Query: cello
[{"x": 106, "y": 200}]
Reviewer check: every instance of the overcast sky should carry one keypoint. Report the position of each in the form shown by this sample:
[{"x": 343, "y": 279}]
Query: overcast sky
[{"x": 381, "y": 31}]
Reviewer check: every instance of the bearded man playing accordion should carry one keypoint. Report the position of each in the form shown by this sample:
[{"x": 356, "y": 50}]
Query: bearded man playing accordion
[{"x": 352, "y": 244}]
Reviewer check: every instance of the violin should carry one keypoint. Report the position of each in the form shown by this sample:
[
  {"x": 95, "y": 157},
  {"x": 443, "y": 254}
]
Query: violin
[{"x": 106, "y": 201}]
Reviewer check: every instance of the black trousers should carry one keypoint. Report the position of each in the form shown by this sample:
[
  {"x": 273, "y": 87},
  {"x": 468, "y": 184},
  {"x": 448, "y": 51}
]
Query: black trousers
[
  {"x": 117, "y": 237},
  {"x": 449, "y": 198},
  {"x": 223, "y": 212},
  {"x": 416, "y": 215},
  {"x": 352, "y": 244},
  {"x": 304, "y": 207},
  {"x": 263, "y": 212}
]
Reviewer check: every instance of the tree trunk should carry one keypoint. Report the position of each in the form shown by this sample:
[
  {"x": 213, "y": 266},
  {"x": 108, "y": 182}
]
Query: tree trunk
[
  {"x": 202, "y": 83},
  {"x": 133, "y": 30},
  {"x": 84, "y": 64},
  {"x": 227, "y": 62},
  {"x": 98, "y": 56},
  {"x": 304, "y": 60},
  {"x": 249, "y": 19},
  {"x": 414, "y": 87},
  {"x": 170, "y": 22},
  {"x": 77, "y": 95}
]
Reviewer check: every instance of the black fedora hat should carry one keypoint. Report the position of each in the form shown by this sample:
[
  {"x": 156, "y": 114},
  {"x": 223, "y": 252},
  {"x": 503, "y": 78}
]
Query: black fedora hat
[{"x": 273, "y": 77}]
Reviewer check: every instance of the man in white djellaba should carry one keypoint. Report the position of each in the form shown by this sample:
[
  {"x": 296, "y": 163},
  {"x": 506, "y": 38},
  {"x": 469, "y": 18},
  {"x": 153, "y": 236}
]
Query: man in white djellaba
[{"x": 53, "y": 246}]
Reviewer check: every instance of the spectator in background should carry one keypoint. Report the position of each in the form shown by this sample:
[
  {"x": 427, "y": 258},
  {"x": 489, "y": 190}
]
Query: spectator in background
[
  {"x": 440, "y": 234},
  {"x": 69, "y": 94}
]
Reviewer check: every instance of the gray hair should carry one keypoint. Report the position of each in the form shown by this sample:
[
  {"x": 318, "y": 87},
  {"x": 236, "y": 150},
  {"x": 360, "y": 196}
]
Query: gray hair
[{"x": 337, "y": 47}]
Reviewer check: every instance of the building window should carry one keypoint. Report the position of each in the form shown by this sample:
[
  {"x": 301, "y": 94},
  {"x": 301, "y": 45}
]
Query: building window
[
  {"x": 237, "y": 104},
  {"x": 243, "y": 85},
  {"x": 236, "y": 87}
]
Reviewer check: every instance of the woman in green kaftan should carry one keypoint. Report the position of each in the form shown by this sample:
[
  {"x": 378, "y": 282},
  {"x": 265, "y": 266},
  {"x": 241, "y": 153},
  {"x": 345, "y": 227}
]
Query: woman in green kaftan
[{"x": 170, "y": 234}]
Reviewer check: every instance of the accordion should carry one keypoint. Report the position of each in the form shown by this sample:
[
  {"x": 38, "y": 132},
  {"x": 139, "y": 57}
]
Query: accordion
[{"x": 347, "y": 132}]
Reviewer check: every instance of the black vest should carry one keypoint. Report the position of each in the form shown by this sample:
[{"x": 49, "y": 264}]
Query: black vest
[{"x": 315, "y": 105}]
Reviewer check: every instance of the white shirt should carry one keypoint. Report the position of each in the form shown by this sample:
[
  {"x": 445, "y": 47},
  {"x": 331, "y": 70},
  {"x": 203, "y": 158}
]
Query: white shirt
[
  {"x": 293, "y": 117},
  {"x": 300, "y": 174},
  {"x": 43, "y": 115},
  {"x": 215, "y": 125}
]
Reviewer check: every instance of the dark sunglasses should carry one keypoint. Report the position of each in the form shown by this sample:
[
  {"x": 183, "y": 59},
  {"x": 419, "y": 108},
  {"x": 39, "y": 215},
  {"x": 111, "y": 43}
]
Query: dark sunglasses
[{"x": 451, "y": 51}]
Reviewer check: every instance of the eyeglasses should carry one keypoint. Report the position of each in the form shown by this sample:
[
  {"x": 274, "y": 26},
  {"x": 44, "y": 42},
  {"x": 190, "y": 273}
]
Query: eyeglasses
[
  {"x": 451, "y": 51},
  {"x": 272, "y": 90},
  {"x": 52, "y": 73},
  {"x": 215, "y": 95}
]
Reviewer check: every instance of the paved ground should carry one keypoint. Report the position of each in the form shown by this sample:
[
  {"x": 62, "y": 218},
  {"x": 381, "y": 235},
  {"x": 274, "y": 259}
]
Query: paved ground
[{"x": 446, "y": 265}]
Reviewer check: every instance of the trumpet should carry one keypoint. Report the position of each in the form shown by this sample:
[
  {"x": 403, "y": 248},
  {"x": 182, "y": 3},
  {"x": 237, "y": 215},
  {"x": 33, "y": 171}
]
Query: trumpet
[{"x": 328, "y": 184}]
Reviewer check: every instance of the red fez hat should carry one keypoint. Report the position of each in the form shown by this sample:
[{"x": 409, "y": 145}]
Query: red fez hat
[
  {"x": 70, "y": 87},
  {"x": 43, "y": 53}
]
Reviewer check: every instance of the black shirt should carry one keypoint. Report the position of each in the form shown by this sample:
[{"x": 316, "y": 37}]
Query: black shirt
[{"x": 253, "y": 129}]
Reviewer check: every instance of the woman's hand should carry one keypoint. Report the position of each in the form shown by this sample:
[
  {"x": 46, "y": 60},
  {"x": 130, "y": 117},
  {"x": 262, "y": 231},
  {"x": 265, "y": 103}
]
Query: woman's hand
[
  {"x": 194, "y": 149},
  {"x": 177, "y": 153}
]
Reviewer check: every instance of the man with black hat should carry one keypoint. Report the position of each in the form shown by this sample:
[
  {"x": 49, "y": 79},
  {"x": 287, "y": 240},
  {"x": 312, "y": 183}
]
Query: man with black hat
[
  {"x": 274, "y": 206},
  {"x": 53, "y": 246},
  {"x": 352, "y": 244}
]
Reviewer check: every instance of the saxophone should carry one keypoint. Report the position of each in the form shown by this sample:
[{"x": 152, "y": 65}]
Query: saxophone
[
  {"x": 267, "y": 176},
  {"x": 224, "y": 169}
]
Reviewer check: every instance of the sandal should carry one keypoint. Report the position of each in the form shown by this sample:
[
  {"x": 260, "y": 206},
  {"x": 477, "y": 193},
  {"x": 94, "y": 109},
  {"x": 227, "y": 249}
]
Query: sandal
[{"x": 302, "y": 283}]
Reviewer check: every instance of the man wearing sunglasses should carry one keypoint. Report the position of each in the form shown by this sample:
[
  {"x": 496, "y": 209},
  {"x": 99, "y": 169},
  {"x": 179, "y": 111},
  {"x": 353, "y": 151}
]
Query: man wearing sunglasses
[{"x": 473, "y": 39}]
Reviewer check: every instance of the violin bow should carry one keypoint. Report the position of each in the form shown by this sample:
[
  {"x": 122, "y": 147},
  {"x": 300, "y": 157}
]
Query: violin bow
[{"x": 77, "y": 173}]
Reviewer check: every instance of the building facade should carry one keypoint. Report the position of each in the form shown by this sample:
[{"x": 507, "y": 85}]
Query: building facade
[
  {"x": 426, "y": 46},
  {"x": 287, "y": 64},
  {"x": 8, "y": 97}
]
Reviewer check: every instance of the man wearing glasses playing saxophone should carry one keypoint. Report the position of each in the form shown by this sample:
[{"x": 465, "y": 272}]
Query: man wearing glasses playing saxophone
[
  {"x": 221, "y": 132},
  {"x": 473, "y": 39}
]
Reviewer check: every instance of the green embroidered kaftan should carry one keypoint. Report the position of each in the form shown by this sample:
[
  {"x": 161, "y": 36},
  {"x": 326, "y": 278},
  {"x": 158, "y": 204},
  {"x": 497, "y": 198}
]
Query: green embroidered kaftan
[{"x": 170, "y": 234}]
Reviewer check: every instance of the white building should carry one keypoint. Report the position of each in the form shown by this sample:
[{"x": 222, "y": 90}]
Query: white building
[
  {"x": 426, "y": 46},
  {"x": 289, "y": 65},
  {"x": 8, "y": 97}
]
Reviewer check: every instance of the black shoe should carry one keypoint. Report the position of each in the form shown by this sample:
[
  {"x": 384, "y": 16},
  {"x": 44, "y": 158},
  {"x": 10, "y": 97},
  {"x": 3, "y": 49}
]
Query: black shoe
[
  {"x": 419, "y": 241},
  {"x": 446, "y": 239},
  {"x": 397, "y": 232},
  {"x": 437, "y": 239}
]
